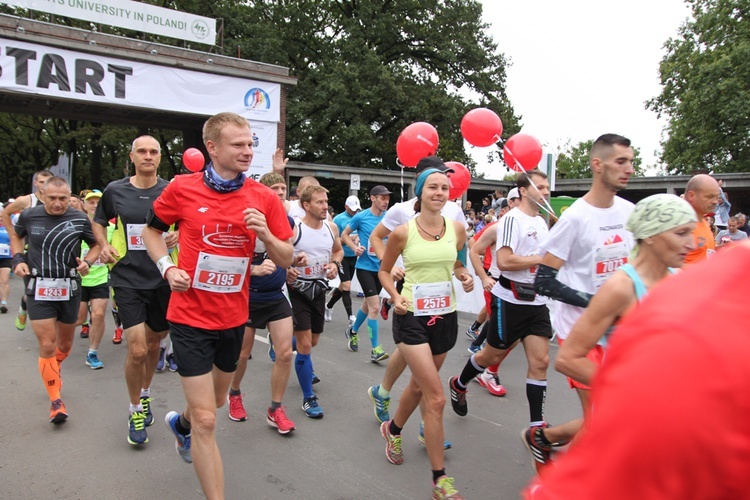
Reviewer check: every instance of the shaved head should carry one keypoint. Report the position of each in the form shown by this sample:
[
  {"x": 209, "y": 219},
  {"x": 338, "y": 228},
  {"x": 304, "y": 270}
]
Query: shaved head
[{"x": 700, "y": 182}]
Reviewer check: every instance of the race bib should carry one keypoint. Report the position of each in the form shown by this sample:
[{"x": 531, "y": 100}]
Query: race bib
[
  {"x": 135, "y": 236},
  {"x": 371, "y": 251},
  {"x": 317, "y": 271},
  {"x": 97, "y": 262},
  {"x": 608, "y": 260},
  {"x": 219, "y": 274},
  {"x": 432, "y": 299},
  {"x": 57, "y": 289},
  {"x": 4, "y": 250}
]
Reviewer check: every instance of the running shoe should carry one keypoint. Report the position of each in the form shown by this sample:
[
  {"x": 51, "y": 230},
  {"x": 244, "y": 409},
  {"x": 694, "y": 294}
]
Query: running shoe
[
  {"x": 491, "y": 382},
  {"x": 540, "y": 452},
  {"x": 277, "y": 418},
  {"x": 171, "y": 363},
  {"x": 360, "y": 295},
  {"x": 236, "y": 408},
  {"x": 458, "y": 398},
  {"x": 472, "y": 334},
  {"x": 271, "y": 352},
  {"x": 473, "y": 349},
  {"x": 447, "y": 445},
  {"x": 312, "y": 408},
  {"x": 182, "y": 441},
  {"x": 393, "y": 444},
  {"x": 57, "y": 413},
  {"x": 21, "y": 320},
  {"x": 3, "y": 307},
  {"x": 352, "y": 319},
  {"x": 328, "y": 314},
  {"x": 92, "y": 360},
  {"x": 444, "y": 488},
  {"x": 137, "y": 424},
  {"x": 353, "y": 340},
  {"x": 315, "y": 379},
  {"x": 161, "y": 364},
  {"x": 385, "y": 307},
  {"x": 146, "y": 403},
  {"x": 117, "y": 339},
  {"x": 380, "y": 404},
  {"x": 378, "y": 354},
  {"x": 85, "y": 331}
]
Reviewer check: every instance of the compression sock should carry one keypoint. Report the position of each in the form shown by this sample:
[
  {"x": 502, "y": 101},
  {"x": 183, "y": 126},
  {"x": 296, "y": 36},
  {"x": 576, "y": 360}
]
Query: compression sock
[
  {"x": 471, "y": 370},
  {"x": 372, "y": 330},
  {"x": 536, "y": 393},
  {"x": 303, "y": 366},
  {"x": 494, "y": 368},
  {"x": 60, "y": 356},
  {"x": 346, "y": 298},
  {"x": 50, "y": 372},
  {"x": 335, "y": 296},
  {"x": 361, "y": 317},
  {"x": 475, "y": 326}
]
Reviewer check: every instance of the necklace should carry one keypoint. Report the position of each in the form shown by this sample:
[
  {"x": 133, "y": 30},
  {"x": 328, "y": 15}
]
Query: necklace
[{"x": 436, "y": 236}]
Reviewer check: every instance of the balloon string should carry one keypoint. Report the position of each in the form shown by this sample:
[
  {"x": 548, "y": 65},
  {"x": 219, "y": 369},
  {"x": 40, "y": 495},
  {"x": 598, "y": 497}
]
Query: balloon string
[
  {"x": 398, "y": 162},
  {"x": 547, "y": 206}
]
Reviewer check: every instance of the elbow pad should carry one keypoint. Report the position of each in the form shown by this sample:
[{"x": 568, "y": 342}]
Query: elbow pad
[{"x": 547, "y": 284}]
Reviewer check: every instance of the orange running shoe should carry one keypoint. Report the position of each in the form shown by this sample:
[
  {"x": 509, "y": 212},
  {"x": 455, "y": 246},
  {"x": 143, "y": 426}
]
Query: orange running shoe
[{"x": 58, "y": 413}]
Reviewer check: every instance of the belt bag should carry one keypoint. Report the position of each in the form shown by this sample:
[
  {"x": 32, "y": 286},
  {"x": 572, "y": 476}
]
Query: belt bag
[
  {"x": 311, "y": 289},
  {"x": 521, "y": 291}
]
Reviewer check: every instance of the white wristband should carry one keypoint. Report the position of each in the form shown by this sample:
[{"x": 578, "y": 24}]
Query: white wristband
[{"x": 164, "y": 264}]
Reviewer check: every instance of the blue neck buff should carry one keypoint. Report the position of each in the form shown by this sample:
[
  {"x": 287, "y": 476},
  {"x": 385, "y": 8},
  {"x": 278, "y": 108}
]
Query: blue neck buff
[
  {"x": 215, "y": 182},
  {"x": 422, "y": 177}
]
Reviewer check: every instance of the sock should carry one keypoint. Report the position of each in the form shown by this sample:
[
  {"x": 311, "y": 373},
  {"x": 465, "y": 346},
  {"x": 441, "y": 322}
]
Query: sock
[
  {"x": 346, "y": 298},
  {"x": 134, "y": 408},
  {"x": 233, "y": 392},
  {"x": 183, "y": 425},
  {"x": 372, "y": 330},
  {"x": 536, "y": 393},
  {"x": 394, "y": 429},
  {"x": 23, "y": 305},
  {"x": 471, "y": 370},
  {"x": 85, "y": 323},
  {"x": 275, "y": 404},
  {"x": 303, "y": 366},
  {"x": 50, "y": 372},
  {"x": 494, "y": 368},
  {"x": 382, "y": 392},
  {"x": 437, "y": 474},
  {"x": 335, "y": 296},
  {"x": 146, "y": 393},
  {"x": 60, "y": 356},
  {"x": 93, "y": 351},
  {"x": 361, "y": 317},
  {"x": 475, "y": 326},
  {"x": 294, "y": 343}
]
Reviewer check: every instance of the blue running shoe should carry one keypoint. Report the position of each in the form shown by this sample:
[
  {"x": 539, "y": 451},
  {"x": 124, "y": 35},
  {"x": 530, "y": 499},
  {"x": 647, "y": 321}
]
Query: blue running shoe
[
  {"x": 161, "y": 364},
  {"x": 447, "y": 445},
  {"x": 380, "y": 404},
  {"x": 271, "y": 352},
  {"x": 182, "y": 443},
  {"x": 312, "y": 408},
  {"x": 92, "y": 360},
  {"x": 137, "y": 428},
  {"x": 473, "y": 349},
  {"x": 146, "y": 403}
]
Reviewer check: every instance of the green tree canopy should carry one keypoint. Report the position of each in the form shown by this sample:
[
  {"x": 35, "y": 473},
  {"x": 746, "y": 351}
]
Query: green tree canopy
[
  {"x": 573, "y": 162},
  {"x": 705, "y": 79}
]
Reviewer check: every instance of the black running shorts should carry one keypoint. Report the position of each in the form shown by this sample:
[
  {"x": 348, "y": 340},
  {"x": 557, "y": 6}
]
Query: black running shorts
[
  {"x": 262, "y": 313},
  {"x": 143, "y": 306},
  {"x": 510, "y": 322},
  {"x": 440, "y": 332},
  {"x": 369, "y": 282},
  {"x": 197, "y": 350}
]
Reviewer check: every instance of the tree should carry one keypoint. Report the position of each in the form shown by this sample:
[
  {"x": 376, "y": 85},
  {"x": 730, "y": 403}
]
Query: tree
[
  {"x": 573, "y": 162},
  {"x": 705, "y": 95}
]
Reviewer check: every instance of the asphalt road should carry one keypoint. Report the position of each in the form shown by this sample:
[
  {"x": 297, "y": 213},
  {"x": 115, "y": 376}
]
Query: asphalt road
[{"x": 338, "y": 457}]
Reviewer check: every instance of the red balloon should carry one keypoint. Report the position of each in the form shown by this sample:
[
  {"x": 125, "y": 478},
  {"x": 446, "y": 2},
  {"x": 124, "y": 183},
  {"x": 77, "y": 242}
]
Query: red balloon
[
  {"x": 460, "y": 179},
  {"x": 416, "y": 141},
  {"x": 481, "y": 127},
  {"x": 193, "y": 159},
  {"x": 522, "y": 152}
]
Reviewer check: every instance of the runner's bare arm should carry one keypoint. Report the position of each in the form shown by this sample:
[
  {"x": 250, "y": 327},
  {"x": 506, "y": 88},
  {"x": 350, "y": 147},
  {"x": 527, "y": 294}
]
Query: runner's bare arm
[
  {"x": 396, "y": 244},
  {"x": 179, "y": 280}
]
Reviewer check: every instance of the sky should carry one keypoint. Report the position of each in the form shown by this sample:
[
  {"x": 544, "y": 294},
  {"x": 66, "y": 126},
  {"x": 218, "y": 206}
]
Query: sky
[{"x": 582, "y": 68}]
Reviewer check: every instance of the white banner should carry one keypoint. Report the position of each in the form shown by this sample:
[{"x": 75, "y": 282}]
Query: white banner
[
  {"x": 38, "y": 69},
  {"x": 129, "y": 15},
  {"x": 264, "y": 145}
]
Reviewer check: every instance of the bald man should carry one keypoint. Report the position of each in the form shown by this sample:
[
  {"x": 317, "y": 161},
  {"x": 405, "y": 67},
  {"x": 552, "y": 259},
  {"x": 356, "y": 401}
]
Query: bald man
[
  {"x": 295, "y": 210},
  {"x": 702, "y": 192}
]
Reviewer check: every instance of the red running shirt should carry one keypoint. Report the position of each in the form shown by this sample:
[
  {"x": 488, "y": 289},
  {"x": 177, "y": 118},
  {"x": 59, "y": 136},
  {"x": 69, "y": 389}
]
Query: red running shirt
[{"x": 216, "y": 247}]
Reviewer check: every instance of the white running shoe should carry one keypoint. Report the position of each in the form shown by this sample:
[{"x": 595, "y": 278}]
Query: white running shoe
[{"x": 329, "y": 314}]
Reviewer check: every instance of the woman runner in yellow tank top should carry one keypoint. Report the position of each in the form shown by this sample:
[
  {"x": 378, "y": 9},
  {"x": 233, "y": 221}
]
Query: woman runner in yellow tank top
[{"x": 425, "y": 324}]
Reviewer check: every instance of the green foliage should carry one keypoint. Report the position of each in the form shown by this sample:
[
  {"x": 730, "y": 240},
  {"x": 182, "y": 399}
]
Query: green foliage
[
  {"x": 573, "y": 162},
  {"x": 705, "y": 78}
]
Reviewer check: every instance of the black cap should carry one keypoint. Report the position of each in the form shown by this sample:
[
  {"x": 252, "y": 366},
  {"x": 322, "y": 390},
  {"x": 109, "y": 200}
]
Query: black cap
[
  {"x": 431, "y": 162},
  {"x": 377, "y": 190},
  {"x": 504, "y": 203}
]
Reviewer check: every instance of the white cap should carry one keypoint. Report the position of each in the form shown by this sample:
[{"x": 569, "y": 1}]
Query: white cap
[
  {"x": 353, "y": 203},
  {"x": 513, "y": 193}
]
